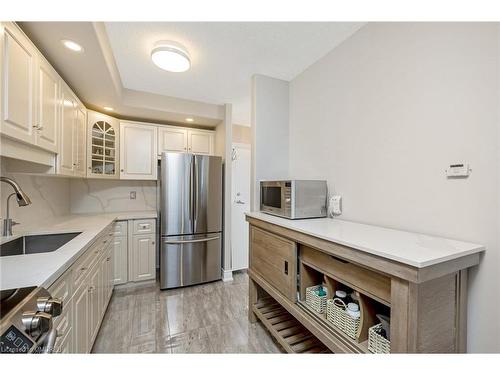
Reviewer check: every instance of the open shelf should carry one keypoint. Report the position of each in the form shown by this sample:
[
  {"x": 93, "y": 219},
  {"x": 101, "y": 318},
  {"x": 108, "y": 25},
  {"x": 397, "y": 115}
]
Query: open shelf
[
  {"x": 287, "y": 330},
  {"x": 368, "y": 306}
]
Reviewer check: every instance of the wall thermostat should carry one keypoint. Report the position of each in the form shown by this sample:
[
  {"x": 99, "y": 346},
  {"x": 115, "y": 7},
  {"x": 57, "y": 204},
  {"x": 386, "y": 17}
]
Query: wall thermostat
[{"x": 458, "y": 170}]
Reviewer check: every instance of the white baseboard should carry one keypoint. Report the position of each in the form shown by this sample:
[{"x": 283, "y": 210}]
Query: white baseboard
[{"x": 227, "y": 275}]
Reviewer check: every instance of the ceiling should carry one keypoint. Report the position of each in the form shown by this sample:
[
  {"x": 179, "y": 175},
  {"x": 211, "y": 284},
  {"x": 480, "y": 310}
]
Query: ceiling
[
  {"x": 116, "y": 69},
  {"x": 224, "y": 56}
]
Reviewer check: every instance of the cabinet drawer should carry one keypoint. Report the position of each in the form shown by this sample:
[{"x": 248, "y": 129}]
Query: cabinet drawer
[
  {"x": 63, "y": 287},
  {"x": 120, "y": 228},
  {"x": 274, "y": 258},
  {"x": 364, "y": 280},
  {"x": 144, "y": 226}
]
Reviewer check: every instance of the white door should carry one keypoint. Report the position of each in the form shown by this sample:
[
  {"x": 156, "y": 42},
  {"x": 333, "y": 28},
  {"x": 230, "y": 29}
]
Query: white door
[
  {"x": 18, "y": 86},
  {"x": 48, "y": 106},
  {"x": 138, "y": 149},
  {"x": 240, "y": 191},
  {"x": 200, "y": 142},
  {"x": 66, "y": 157},
  {"x": 80, "y": 137},
  {"x": 81, "y": 320},
  {"x": 143, "y": 265},
  {"x": 172, "y": 139},
  {"x": 120, "y": 260}
]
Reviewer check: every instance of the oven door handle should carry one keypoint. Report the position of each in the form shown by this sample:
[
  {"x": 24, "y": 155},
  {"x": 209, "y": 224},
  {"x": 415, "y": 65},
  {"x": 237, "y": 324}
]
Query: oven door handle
[{"x": 50, "y": 341}]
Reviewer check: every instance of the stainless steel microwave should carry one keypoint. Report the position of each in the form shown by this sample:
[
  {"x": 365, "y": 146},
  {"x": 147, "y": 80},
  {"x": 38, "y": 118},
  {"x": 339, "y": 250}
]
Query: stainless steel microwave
[{"x": 294, "y": 199}]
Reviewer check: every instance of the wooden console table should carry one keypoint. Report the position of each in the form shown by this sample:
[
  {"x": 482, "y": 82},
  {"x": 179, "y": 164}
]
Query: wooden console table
[{"x": 419, "y": 281}]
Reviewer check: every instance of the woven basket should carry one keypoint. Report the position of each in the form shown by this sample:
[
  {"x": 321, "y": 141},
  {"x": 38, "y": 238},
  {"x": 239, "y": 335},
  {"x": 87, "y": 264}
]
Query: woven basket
[
  {"x": 315, "y": 302},
  {"x": 339, "y": 317},
  {"x": 376, "y": 342}
]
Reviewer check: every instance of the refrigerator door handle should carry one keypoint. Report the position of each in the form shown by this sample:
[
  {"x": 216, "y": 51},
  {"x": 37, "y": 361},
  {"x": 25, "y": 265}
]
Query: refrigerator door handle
[
  {"x": 191, "y": 203},
  {"x": 176, "y": 242},
  {"x": 195, "y": 193}
]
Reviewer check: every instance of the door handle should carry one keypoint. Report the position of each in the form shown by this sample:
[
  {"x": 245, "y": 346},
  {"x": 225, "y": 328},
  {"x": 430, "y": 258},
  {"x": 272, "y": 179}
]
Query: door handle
[
  {"x": 239, "y": 201},
  {"x": 286, "y": 267},
  {"x": 177, "y": 242}
]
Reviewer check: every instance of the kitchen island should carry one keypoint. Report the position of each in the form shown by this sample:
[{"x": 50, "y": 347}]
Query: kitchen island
[{"x": 419, "y": 281}]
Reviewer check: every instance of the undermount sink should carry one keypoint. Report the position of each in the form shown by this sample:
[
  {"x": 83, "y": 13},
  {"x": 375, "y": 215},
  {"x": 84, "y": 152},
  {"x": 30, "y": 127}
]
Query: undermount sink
[{"x": 41, "y": 243}]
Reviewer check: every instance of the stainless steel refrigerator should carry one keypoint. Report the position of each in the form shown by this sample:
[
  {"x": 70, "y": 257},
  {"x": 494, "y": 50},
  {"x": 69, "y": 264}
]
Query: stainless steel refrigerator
[{"x": 191, "y": 219}]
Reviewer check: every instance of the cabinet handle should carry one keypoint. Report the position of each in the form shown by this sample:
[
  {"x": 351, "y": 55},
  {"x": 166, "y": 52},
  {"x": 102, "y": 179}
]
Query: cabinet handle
[
  {"x": 91, "y": 289},
  {"x": 108, "y": 259},
  {"x": 152, "y": 242},
  {"x": 286, "y": 267},
  {"x": 121, "y": 170},
  {"x": 83, "y": 269},
  {"x": 90, "y": 168}
]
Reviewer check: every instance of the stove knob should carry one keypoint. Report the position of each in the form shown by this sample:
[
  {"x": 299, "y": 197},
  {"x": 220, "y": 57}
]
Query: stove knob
[
  {"x": 36, "y": 323},
  {"x": 52, "y": 306}
]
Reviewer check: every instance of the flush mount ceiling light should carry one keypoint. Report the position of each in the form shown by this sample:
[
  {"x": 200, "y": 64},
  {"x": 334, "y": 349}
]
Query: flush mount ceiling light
[
  {"x": 189, "y": 119},
  {"x": 69, "y": 44},
  {"x": 171, "y": 56},
  {"x": 108, "y": 109}
]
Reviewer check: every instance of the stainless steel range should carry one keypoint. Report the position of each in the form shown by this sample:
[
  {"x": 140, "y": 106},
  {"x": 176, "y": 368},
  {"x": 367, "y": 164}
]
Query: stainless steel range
[{"x": 26, "y": 320}]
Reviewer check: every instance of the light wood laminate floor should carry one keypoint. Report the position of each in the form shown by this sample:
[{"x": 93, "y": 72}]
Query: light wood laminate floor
[{"x": 207, "y": 318}]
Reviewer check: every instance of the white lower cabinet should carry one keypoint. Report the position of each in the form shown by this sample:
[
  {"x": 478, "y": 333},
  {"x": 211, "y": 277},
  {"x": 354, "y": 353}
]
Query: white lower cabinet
[
  {"x": 134, "y": 251},
  {"x": 84, "y": 310},
  {"x": 142, "y": 257},
  {"x": 81, "y": 320},
  {"x": 87, "y": 286},
  {"x": 120, "y": 260}
]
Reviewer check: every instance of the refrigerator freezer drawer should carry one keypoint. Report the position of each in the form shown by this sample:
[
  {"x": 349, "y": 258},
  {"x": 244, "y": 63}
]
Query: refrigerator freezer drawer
[{"x": 188, "y": 260}]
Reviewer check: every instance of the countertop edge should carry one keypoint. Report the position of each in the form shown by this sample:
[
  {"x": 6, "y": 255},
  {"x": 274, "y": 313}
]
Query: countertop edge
[{"x": 476, "y": 248}]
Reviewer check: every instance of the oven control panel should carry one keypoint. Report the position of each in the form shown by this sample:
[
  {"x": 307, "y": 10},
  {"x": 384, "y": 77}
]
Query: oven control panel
[{"x": 14, "y": 341}]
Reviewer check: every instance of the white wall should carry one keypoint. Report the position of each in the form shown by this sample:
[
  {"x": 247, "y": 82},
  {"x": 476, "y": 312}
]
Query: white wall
[
  {"x": 49, "y": 198},
  {"x": 270, "y": 107},
  {"x": 383, "y": 114},
  {"x": 98, "y": 196}
]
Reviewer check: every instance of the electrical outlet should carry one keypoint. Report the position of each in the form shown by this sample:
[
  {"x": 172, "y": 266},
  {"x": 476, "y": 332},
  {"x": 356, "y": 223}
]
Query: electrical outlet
[
  {"x": 335, "y": 206},
  {"x": 133, "y": 195}
]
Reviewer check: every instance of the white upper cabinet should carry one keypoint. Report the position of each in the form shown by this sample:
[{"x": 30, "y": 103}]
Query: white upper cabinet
[
  {"x": 172, "y": 138},
  {"x": 66, "y": 159},
  {"x": 200, "y": 142},
  {"x": 47, "y": 119},
  {"x": 18, "y": 85},
  {"x": 103, "y": 146},
  {"x": 80, "y": 139},
  {"x": 138, "y": 150}
]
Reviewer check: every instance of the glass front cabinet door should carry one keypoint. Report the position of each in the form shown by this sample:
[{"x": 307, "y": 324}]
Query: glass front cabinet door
[{"x": 103, "y": 139}]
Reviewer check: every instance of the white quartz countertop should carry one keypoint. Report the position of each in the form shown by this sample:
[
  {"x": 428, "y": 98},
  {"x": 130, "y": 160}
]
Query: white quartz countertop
[
  {"x": 414, "y": 249},
  {"x": 43, "y": 269}
]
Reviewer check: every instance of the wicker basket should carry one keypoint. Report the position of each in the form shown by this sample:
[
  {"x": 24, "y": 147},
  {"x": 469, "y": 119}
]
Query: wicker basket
[
  {"x": 315, "y": 302},
  {"x": 339, "y": 317},
  {"x": 376, "y": 342}
]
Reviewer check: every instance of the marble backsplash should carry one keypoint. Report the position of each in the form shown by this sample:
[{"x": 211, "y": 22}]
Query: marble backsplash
[
  {"x": 98, "y": 196},
  {"x": 50, "y": 197}
]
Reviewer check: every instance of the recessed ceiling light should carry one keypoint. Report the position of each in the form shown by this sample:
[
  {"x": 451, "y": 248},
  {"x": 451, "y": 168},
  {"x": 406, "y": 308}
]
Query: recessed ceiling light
[
  {"x": 189, "y": 119},
  {"x": 108, "y": 108},
  {"x": 69, "y": 44},
  {"x": 170, "y": 56}
]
